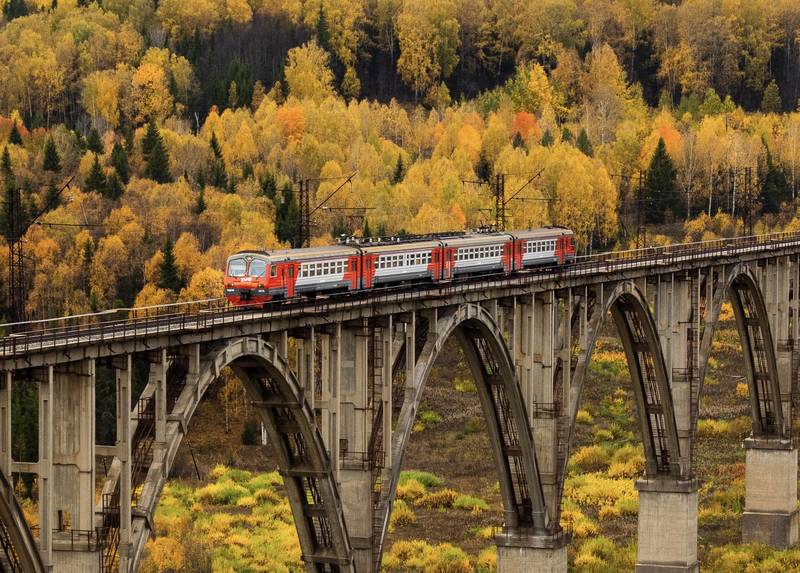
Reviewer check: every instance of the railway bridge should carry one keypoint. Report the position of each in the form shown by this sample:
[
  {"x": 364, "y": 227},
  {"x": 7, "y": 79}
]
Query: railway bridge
[{"x": 337, "y": 382}]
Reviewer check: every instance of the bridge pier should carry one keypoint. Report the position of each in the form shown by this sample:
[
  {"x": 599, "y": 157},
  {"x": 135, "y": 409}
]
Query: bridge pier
[
  {"x": 520, "y": 551},
  {"x": 770, "y": 514},
  {"x": 667, "y": 526}
]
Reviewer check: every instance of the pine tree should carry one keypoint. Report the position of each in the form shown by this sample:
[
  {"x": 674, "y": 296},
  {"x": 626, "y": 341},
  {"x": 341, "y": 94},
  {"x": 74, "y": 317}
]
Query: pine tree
[
  {"x": 15, "y": 137},
  {"x": 483, "y": 169},
  {"x": 584, "y": 144},
  {"x": 367, "y": 233},
  {"x": 168, "y": 275},
  {"x": 96, "y": 181},
  {"x": 771, "y": 101},
  {"x": 233, "y": 95},
  {"x": 119, "y": 160},
  {"x": 155, "y": 154},
  {"x": 14, "y": 9},
  {"x": 775, "y": 189},
  {"x": 518, "y": 142},
  {"x": 114, "y": 187},
  {"x": 5, "y": 164},
  {"x": 661, "y": 186},
  {"x": 547, "y": 139},
  {"x": 94, "y": 143},
  {"x": 218, "y": 175},
  {"x": 51, "y": 161},
  {"x": 287, "y": 224},
  {"x": 268, "y": 185},
  {"x": 323, "y": 32},
  {"x": 87, "y": 257},
  {"x": 200, "y": 205},
  {"x": 399, "y": 170},
  {"x": 566, "y": 135}
]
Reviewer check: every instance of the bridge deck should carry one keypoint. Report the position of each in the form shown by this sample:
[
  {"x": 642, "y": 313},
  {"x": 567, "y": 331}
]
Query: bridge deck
[{"x": 109, "y": 333}]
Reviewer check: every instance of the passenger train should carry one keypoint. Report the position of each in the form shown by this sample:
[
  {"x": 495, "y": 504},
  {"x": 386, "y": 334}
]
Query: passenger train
[{"x": 257, "y": 277}]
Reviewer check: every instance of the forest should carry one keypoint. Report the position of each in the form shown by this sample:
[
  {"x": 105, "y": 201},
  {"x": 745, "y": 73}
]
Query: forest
[{"x": 142, "y": 142}]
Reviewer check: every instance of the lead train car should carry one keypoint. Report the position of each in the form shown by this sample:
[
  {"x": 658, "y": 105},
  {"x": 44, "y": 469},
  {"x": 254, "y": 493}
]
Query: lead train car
[{"x": 254, "y": 277}]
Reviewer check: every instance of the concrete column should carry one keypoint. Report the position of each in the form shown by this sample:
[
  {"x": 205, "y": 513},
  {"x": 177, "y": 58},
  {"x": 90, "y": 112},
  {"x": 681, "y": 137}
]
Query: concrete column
[
  {"x": 45, "y": 468},
  {"x": 305, "y": 365},
  {"x": 74, "y": 448},
  {"x": 411, "y": 356},
  {"x": 355, "y": 476},
  {"x": 5, "y": 424},
  {"x": 124, "y": 385},
  {"x": 770, "y": 513},
  {"x": 386, "y": 392},
  {"x": 777, "y": 290},
  {"x": 159, "y": 371},
  {"x": 520, "y": 552},
  {"x": 667, "y": 526}
]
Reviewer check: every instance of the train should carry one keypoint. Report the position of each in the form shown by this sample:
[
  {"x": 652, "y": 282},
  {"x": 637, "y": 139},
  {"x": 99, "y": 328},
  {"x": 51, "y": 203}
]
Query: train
[{"x": 256, "y": 277}]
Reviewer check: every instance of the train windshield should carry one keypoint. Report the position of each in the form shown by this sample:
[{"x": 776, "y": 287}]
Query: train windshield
[
  {"x": 237, "y": 268},
  {"x": 258, "y": 268}
]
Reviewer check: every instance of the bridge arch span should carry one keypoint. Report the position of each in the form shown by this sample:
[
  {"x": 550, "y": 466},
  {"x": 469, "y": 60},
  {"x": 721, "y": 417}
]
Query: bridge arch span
[
  {"x": 742, "y": 288},
  {"x": 309, "y": 481},
  {"x": 634, "y": 321},
  {"x": 504, "y": 409}
]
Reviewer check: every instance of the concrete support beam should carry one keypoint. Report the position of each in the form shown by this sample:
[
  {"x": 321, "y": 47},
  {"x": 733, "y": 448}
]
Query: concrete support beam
[
  {"x": 45, "y": 468},
  {"x": 667, "y": 526},
  {"x": 386, "y": 391},
  {"x": 123, "y": 446},
  {"x": 158, "y": 374},
  {"x": 5, "y": 424},
  {"x": 521, "y": 552},
  {"x": 770, "y": 514}
]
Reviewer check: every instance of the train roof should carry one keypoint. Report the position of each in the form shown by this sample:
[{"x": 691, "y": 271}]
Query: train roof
[
  {"x": 543, "y": 232},
  {"x": 478, "y": 239},
  {"x": 313, "y": 252},
  {"x": 401, "y": 246}
]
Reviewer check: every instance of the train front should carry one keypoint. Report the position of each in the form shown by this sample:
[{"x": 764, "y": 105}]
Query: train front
[{"x": 246, "y": 279}]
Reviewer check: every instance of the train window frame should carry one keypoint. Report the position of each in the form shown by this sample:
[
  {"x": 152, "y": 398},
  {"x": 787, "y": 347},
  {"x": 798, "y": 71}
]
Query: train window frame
[{"x": 244, "y": 267}]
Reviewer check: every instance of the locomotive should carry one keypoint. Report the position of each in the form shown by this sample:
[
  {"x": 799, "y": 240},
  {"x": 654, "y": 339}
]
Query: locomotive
[{"x": 257, "y": 277}]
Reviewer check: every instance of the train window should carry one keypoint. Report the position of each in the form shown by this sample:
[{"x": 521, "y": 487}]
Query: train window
[
  {"x": 237, "y": 268},
  {"x": 273, "y": 271},
  {"x": 258, "y": 268}
]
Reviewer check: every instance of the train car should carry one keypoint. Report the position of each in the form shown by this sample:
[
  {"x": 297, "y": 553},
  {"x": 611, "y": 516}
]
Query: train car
[
  {"x": 481, "y": 253},
  {"x": 396, "y": 262},
  {"x": 254, "y": 277},
  {"x": 546, "y": 246}
]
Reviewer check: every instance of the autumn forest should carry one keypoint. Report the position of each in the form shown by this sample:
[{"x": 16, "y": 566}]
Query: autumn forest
[{"x": 148, "y": 139}]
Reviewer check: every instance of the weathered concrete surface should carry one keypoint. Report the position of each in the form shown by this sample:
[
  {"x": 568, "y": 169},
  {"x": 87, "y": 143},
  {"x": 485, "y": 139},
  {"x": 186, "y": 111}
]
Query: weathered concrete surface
[
  {"x": 667, "y": 526},
  {"x": 521, "y": 553},
  {"x": 770, "y": 514}
]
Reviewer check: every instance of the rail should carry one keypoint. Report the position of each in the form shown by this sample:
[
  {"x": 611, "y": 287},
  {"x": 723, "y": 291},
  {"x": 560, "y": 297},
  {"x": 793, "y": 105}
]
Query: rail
[{"x": 124, "y": 324}]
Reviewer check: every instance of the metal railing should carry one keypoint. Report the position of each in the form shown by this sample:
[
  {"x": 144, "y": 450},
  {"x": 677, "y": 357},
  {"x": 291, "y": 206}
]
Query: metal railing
[{"x": 124, "y": 324}]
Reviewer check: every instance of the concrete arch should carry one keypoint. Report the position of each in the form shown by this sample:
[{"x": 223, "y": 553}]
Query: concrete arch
[
  {"x": 18, "y": 547},
  {"x": 752, "y": 322},
  {"x": 634, "y": 321},
  {"x": 303, "y": 459},
  {"x": 502, "y": 403}
]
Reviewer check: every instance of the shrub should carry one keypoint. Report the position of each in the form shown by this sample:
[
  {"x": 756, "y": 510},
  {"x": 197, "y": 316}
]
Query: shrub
[
  {"x": 470, "y": 503},
  {"x": 743, "y": 390},
  {"x": 165, "y": 555},
  {"x": 247, "y": 501},
  {"x": 486, "y": 533},
  {"x": 410, "y": 490},
  {"x": 437, "y": 500},
  {"x": 592, "y": 458},
  {"x": 474, "y": 425},
  {"x": 222, "y": 493},
  {"x": 627, "y": 462},
  {"x": 401, "y": 515},
  {"x": 627, "y": 506},
  {"x": 465, "y": 386},
  {"x": 429, "y": 418},
  {"x": 425, "y": 478},
  {"x": 608, "y": 512},
  {"x": 448, "y": 559},
  {"x": 603, "y": 435},
  {"x": 487, "y": 561},
  {"x": 584, "y": 417}
]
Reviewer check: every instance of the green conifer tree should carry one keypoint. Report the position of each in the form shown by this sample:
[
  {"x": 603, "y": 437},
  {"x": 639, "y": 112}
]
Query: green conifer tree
[
  {"x": 483, "y": 169},
  {"x": 168, "y": 275},
  {"x": 268, "y": 186},
  {"x": 5, "y": 164},
  {"x": 775, "y": 188},
  {"x": 367, "y": 232},
  {"x": 218, "y": 175},
  {"x": 96, "y": 181},
  {"x": 51, "y": 161},
  {"x": 287, "y": 225},
  {"x": 584, "y": 144},
  {"x": 119, "y": 160},
  {"x": 566, "y": 135},
  {"x": 661, "y": 186},
  {"x": 200, "y": 205},
  {"x": 547, "y": 139},
  {"x": 155, "y": 154},
  {"x": 114, "y": 187},
  {"x": 15, "y": 137},
  {"x": 323, "y": 32},
  {"x": 399, "y": 170},
  {"x": 94, "y": 143}
]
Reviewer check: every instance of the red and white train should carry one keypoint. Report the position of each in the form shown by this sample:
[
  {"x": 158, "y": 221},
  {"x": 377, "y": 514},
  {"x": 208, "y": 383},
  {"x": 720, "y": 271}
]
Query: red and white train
[{"x": 254, "y": 277}]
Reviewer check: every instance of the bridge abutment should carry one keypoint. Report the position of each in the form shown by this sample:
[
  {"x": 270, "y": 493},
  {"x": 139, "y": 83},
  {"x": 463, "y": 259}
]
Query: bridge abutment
[
  {"x": 770, "y": 514},
  {"x": 667, "y": 526},
  {"x": 521, "y": 552}
]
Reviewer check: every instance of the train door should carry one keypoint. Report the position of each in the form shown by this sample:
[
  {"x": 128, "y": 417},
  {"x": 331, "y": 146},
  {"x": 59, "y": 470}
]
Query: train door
[
  {"x": 448, "y": 262},
  {"x": 352, "y": 274},
  {"x": 368, "y": 270}
]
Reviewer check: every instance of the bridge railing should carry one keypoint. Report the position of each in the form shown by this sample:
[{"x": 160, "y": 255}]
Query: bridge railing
[{"x": 126, "y": 323}]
